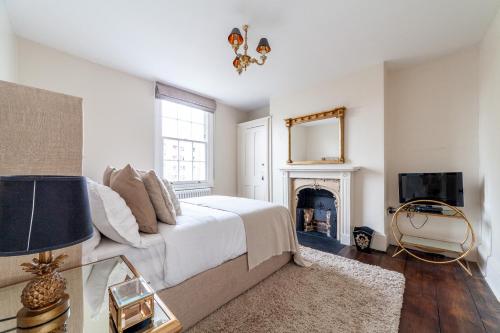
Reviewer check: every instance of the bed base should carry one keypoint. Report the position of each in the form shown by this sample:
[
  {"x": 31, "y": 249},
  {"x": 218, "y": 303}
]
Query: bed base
[{"x": 199, "y": 296}]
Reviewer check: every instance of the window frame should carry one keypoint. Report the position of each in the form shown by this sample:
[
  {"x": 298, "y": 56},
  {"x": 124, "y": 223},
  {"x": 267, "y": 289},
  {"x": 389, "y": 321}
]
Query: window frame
[{"x": 159, "y": 162}]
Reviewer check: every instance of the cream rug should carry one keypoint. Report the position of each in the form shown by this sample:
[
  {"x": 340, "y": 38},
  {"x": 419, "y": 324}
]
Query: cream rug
[{"x": 334, "y": 295}]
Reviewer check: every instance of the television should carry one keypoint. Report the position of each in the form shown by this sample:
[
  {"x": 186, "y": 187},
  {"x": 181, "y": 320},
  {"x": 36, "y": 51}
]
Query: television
[{"x": 447, "y": 187}]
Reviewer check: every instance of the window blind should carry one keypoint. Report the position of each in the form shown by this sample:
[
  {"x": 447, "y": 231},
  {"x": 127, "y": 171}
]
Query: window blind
[{"x": 180, "y": 96}]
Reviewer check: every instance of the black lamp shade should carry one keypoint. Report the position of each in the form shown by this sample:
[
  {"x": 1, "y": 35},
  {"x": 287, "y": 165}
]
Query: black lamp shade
[
  {"x": 43, "y": 213},
  {"x": 263, "y": 46}
]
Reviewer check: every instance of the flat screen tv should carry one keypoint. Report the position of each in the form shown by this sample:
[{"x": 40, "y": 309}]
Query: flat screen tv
[{"x": 446, "y": 187}]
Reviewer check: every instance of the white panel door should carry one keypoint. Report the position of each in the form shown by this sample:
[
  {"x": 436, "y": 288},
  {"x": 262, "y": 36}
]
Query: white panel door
[
  {"x": 260, "y": 163},
  {"x": 253, "y": 179},
  {"x": 249, "y": 163}
]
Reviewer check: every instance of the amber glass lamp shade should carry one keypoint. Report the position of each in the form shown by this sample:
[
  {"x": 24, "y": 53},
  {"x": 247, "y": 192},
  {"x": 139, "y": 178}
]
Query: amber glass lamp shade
[
  {"x": 237, "y": 62},
  {"x": 235, "y": 38},
  {"x": 263, "y": 47}
]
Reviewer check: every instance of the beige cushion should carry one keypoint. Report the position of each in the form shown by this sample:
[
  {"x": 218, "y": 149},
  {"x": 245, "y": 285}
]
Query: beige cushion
[
  {"x": 164, "y": 208},
  {"x": 128, "y": 184},
  {"x": 107, "y": 175},
  {"x": 173, "y": 197}
]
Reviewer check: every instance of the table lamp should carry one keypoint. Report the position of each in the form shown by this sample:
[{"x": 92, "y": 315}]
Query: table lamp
[{"x": 39, "y": 214}]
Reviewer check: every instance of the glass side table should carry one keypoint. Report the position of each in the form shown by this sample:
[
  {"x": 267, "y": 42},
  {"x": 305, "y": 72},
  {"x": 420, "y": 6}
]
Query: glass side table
[{"x": 88, "y": 289}]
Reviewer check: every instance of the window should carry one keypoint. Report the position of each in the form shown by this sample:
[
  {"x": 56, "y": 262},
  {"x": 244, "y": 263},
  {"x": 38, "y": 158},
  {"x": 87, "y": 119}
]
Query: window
[{"x": 186, "y": 143}]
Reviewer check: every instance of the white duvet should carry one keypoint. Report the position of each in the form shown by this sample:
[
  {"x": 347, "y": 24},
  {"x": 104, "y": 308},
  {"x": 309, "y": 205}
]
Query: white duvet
[{"x": 203, "y": 238}]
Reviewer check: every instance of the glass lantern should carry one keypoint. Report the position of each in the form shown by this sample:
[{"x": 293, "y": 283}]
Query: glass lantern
[{"x": 130, "y": 303}]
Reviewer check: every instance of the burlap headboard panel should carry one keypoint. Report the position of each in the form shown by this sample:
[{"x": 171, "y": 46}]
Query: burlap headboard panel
[{"x": 41, "y": 133}]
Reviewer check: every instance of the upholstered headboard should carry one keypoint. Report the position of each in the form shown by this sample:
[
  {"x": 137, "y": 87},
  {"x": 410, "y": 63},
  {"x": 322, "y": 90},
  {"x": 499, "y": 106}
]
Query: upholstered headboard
[{"x": 41, "y": 133}]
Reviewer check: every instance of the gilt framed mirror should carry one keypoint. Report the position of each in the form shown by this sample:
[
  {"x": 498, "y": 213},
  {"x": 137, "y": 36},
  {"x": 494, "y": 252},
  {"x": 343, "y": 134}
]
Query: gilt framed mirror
[{"x": 316, "y": 138}]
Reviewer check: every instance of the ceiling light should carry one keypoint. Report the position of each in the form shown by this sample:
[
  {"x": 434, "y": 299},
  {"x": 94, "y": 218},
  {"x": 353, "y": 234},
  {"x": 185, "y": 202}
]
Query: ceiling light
[{"x": 243, "y": 60}]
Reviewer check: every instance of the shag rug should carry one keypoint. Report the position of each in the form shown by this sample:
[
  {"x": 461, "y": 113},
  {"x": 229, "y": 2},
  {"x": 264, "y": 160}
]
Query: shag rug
[{"x": 335, "y": 294}]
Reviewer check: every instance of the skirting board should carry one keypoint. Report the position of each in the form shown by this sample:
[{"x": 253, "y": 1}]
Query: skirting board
[
  {"x": 492, "y": 275},
  {"x": 379, "y": 242},
  {"x": 472, "y": 256}
]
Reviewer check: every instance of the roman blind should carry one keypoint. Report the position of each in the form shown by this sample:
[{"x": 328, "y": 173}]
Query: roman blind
[{"x": 177, "y": 95}]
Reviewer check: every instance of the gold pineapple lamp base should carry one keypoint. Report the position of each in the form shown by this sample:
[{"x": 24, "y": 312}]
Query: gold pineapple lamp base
[
  {"x": 43, "y": 297},
  {"x": 27, "y": 318}
]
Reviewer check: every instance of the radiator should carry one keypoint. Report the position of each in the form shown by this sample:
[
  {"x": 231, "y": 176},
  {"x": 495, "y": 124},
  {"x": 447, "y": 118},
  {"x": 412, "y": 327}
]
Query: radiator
[{"x": 191, "y": 193}]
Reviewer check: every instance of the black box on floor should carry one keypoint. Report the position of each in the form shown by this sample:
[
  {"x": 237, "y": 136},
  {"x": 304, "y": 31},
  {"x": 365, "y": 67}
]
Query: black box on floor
[{"x": 363, "y": 238}]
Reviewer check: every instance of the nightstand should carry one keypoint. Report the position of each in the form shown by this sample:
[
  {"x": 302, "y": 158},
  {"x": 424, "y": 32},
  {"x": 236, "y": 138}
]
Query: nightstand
[{"x": 88, "y": 289}]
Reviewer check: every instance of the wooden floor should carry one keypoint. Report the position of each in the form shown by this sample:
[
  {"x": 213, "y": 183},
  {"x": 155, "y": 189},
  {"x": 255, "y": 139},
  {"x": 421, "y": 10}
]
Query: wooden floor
[{"x": 438, "y": 298}]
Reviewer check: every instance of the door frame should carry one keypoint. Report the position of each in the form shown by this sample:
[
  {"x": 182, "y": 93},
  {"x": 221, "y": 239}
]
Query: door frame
[{"x": 266, "y": 122}]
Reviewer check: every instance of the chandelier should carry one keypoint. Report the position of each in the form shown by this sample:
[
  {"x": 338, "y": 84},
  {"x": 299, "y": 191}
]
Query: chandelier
[{"x": 242, "y": 61}]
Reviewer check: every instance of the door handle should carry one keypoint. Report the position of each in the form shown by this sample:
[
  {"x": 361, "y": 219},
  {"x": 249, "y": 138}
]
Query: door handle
[{"x": 262, "y": 178}]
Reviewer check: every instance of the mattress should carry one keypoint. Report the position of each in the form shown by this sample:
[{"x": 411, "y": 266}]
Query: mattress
[{"x": 203, "y": 238}]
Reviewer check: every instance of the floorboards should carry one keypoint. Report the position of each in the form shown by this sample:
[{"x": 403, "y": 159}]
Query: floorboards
[{"x": 437, "y": 298}]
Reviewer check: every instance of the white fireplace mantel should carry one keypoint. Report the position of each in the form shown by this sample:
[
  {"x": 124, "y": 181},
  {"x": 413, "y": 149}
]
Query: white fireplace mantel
[
  {"x": 341, "y": 172},
  {"x": 320, "y": 167}
]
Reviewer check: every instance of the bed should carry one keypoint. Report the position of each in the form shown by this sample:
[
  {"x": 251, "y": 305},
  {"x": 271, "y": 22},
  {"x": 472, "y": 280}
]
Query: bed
[{"x": 219, "y": 248}]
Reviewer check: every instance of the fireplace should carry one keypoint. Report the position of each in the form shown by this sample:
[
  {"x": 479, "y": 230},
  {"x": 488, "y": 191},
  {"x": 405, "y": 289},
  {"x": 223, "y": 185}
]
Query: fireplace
[
  {"x": 336, "y": 179},
  {"x": 316, "y": 212}
]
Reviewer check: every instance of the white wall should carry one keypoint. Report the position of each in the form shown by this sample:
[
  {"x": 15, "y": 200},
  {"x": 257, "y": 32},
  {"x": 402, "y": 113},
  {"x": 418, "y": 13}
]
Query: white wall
[
  {"x": 489, "y": 153},
  {"x": 8, "y": 47},
  {"x": 362, "y": 94},
  {"x": 432, "y": 126},
  {"x": 225, "y": 150},
  {"x": 119, "y": 116},
  {"x": 259, "y": 113},
  {"x": 118, "y": 108}
]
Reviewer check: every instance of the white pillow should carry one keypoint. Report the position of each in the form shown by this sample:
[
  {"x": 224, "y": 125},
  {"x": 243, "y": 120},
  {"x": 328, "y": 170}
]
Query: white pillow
[
  {"x": 90, "y": 244},
  {"x": 111, "y": 215}
]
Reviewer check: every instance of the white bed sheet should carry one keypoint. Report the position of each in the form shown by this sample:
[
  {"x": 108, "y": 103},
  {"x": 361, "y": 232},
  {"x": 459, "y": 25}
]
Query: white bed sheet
[{"x": 203, "y": 238}]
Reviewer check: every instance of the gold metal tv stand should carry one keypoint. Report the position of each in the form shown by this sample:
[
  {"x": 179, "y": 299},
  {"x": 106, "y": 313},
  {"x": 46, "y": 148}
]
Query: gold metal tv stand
[{"x": 408, "y": 242}]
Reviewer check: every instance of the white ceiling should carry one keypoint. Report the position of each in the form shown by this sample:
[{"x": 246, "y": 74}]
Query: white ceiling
[{"x": 184, "y": 42}]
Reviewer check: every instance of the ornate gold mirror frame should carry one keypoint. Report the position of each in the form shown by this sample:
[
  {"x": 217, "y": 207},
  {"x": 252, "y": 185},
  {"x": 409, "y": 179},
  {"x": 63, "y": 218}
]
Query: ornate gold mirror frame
[{"x": 335, "y": 113}]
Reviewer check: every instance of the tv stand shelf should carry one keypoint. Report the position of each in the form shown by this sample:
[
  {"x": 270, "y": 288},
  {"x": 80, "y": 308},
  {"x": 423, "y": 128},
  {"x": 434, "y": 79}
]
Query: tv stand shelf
[
  {"x": 406, "y": 242},
  {"x": 445, "y": 213},
  {"x": 431, "y": 244}
]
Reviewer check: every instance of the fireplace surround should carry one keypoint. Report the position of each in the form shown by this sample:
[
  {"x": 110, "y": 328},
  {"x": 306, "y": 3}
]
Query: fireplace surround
[{"x": 332, "y": 181}]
